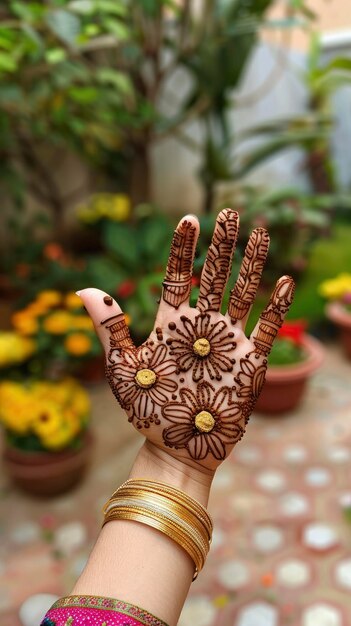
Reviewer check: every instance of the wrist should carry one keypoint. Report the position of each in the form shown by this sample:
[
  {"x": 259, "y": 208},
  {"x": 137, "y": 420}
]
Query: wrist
[{"x": 156, "y": 464}]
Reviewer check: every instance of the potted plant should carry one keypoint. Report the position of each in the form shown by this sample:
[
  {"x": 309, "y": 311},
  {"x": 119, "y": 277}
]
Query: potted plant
[
  {"x": 64, "y": 337},
  {"x": 294, "y": 358},
  {"x": 47, "y": 441},
  {"x": 338, "y": 291}
]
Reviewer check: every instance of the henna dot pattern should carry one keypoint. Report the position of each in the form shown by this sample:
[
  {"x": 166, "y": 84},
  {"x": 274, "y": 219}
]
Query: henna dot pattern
[
  {"x": 203, "y": 346},
  {"x": 204, "y": 422},
  {"x": 145, "y": 378},
  {"x": 108, "y": 300}
]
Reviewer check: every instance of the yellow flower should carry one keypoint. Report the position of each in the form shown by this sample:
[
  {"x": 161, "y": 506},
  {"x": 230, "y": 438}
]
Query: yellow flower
[
  {"x": 78, "y": 344},
  {"x": 336, "y": 288},
  {"x": 128, "y": 319},
  {"x": 15, "y": 407},
  {"x": 49, "y": 298},
  {"x": 120, "y": 208},
  {"x": 82, "y": 322},
  {"x": 80, "y": 402},
  {"x": 72, "y": 301},
  {"x": 24, "y": 323},
  {"x": 48, "y": 419},
  {"x": 14, "y": 348},
  {"x": 59, "y": 438},
  {"x": 58, "y": 323}
]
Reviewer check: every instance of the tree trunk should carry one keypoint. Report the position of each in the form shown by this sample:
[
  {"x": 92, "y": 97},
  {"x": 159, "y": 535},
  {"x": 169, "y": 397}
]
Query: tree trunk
[{"x": 140, "y": 175}]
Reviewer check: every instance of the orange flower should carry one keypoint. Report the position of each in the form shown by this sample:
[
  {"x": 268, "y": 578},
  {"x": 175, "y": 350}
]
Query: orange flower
[
  {"x": 49, "y": 297},
  {"x": 82, "y": 322},
  {"x": 24, "y": 323},
  {"x": 78, "y": 344},
  {"x": 267, "y": 580},
  {"x": 58, "y": 323},
  {"x": 72, "y": 301}
]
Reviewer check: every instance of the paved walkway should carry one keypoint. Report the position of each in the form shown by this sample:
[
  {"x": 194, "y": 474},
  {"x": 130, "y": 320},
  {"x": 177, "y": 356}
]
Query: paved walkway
[{"x": 281, "y": 554}]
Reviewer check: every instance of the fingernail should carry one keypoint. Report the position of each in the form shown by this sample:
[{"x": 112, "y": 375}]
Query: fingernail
[{"x": 78, "y": 293}]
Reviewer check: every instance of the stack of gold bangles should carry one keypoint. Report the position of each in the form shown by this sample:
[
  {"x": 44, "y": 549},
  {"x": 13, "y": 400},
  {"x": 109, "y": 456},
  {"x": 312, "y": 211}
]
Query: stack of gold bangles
[{"x": 167, "y": 509}]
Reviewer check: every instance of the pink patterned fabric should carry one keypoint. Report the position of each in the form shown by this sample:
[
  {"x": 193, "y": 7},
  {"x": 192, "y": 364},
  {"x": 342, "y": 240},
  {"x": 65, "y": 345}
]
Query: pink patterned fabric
[{"x": 97, "y": 611}]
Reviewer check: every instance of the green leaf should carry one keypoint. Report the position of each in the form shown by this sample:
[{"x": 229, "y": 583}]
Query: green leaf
[
  {"x": 83, "y": 95},
  {"x": 111, "y": 6},
  {"x": 120, "y": 241},
  {"x": 119, "y": 79},
  {"x": 7, "y": 62},
  {"x": 55, "y": 55},
  {"x": 117, "y": 28},
  {"x": 84, "y": 7},
  {"x": 65, "y": 25}
]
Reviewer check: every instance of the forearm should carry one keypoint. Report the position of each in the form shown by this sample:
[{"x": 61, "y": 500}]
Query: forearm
[{"x": 138, "y": 564}]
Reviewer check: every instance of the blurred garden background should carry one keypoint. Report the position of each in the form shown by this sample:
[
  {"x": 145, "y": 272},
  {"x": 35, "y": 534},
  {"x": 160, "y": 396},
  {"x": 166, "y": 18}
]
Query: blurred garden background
[{"x": 117, "y": 117}]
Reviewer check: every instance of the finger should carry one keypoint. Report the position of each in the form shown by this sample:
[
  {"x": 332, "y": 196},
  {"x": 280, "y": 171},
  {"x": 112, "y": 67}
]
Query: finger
[
  {"x": 177, "y": 282},
  {"x": 273, "y": 316},
  {"x": 108, "y": 319},
  {"x": 244, "y": 292},
  {"x": 218, "y": 261}
]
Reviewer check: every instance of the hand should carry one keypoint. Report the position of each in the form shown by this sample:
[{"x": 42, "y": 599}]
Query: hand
[{"x": 191, "y": 387}]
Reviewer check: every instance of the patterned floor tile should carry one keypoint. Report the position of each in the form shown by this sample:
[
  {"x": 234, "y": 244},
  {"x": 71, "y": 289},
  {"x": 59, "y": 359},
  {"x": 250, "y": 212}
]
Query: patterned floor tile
[
  {"x": 258, "y": 614},
  {"x": 322, "y": 614},
  {"x": 343, "y": 573},
  {"x": 320, "y": 537},
  {"x": 293, "y": 573}
]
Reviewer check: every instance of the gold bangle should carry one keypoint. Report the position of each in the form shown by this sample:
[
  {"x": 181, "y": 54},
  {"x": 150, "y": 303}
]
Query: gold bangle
[
  {"x": 192, "y": 532},
  {"x": 161, "y": 503},
  {"x": 173, "y": 494},
  {"x": 167, "y": 509},
  {"x": 158, "y": 524}
]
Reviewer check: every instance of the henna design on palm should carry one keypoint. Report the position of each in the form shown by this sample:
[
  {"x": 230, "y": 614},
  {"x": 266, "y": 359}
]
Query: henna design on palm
[
  {"x": 203, "y": 347},
  {"x": 204, "y": 421},
  {"x": 191, "y": 387}
]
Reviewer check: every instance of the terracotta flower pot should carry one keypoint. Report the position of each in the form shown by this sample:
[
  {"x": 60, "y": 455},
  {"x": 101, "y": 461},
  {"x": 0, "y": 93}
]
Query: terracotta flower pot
[
  {"x": 48, "y": 473},
  {"x": 285, "y": 384},
  {"x": 341, "y": 317}
]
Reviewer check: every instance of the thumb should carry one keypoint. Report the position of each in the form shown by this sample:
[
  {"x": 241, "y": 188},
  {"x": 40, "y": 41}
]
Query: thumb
[{"x": 108, "y": 319}]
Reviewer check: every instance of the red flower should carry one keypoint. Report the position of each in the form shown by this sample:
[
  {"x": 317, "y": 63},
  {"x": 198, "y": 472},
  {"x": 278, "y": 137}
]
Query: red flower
[
  {"x": 53, "y": 251},
  {"x": 293, "y": 330},
  {"x": 126, "y": 289}
]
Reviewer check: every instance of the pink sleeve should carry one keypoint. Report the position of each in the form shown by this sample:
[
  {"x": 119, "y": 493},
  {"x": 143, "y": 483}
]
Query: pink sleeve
[{"x": 97, "y": 611}]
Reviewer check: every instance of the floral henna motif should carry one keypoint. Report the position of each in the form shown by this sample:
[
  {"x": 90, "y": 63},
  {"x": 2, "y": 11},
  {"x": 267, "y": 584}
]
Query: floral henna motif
[
  {"x": 202, "y": 346},
  {"x": 204, "y": 422},
  {"x": 177, "y": 283},
  {"x": 250, "y": 381},
  {"x": 218, "y": 261},
  {"x": 245, "y": 289},
  {"x": 141, "y": 379},
  {"x": 273, "y": 316}
]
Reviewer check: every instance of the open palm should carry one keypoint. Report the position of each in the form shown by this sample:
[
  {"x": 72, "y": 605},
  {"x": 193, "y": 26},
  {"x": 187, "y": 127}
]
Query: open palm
[{"x": 191, "y": 387}]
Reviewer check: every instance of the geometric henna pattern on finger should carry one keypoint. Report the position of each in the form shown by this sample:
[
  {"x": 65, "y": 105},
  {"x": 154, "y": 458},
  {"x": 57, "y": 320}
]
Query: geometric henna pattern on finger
[
  {"x": 142, "y": 379},
  {"x": 218, "y": 261},
  {"x": 119, "y": 332},
  {"x": 273, "y": 316},
  {"x": 177, "y": 282},
  {"x": 202, "y": 346},
  {"x": 245, "y": 289},
  {"x": 204, "y": 422}
]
